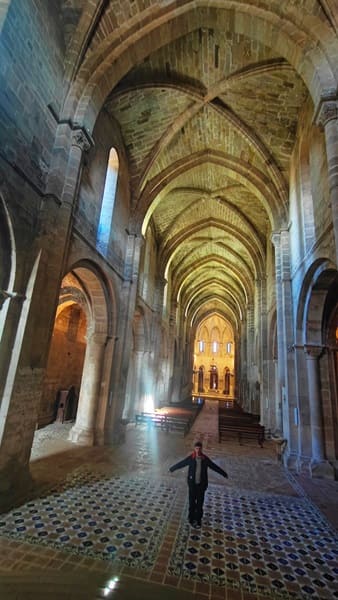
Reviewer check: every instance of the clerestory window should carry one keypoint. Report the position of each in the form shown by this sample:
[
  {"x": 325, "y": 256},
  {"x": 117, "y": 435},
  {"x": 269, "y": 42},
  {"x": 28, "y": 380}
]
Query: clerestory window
[
  {"x": 107, "y": 206},
  {"x": 201, "y": 346}
]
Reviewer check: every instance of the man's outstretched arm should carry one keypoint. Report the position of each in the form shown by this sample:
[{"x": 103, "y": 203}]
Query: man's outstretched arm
[
  {"x": 216, "y": 468},
  {"x": 180, "y": 464}
]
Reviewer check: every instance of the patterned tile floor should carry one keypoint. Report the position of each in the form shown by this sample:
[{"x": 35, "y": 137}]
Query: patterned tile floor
[
  {"x": 122, "y": 515},
  {"x": 276, "y": 546},
  {"x": 110, "y": 518}
]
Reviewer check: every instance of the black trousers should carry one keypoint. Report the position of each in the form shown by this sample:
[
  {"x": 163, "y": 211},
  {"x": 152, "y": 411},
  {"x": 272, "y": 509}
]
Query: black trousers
[{"x": 196, "y": 499}]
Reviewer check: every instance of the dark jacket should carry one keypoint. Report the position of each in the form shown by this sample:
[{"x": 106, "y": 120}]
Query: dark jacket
[{"x": 190, "y": 462}]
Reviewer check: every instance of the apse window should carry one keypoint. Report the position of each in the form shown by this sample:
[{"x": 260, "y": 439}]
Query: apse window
[
  {"x": 107, "y": 206},
  {"x": 229, "y": 347},
  {"x": 215, "y": 347}
]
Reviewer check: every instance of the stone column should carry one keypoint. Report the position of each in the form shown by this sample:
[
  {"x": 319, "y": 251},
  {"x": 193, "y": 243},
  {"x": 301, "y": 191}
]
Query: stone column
[
  {"x": 160, "y": 284},
  {"x": 285, "y": 341},
  {"x": 327, "y": 117},
  {"x": 138, "y": 366},
  {"x": 241, "y": 363},
  {"x": 176, "y": 370},
  {"x": 83, "y": 432},
  {"x": 157, "y": 350},
  {"x": 251, "y": 366},
  {"x": 114, "y": 426},
  {"x": 319, "y": 466},
  {"x": 263, "y": 343},
  {"x": 280, "y": 380},
  {"x": 25, "y": 373}
]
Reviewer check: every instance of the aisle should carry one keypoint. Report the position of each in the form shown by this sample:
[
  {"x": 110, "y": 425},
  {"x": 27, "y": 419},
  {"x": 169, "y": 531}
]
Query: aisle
[{"x": 205, "y": 427}]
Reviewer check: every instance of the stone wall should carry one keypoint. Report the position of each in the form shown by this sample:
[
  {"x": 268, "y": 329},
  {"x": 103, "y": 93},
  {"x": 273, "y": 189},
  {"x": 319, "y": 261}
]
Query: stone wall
[
  {"x": 87, "y": 215},
  {"x": 31, "y": 79}
]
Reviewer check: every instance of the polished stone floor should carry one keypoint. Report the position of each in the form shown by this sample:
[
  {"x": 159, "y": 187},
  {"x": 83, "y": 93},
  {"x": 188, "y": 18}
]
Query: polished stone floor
[{"x": 112, "y": 522}]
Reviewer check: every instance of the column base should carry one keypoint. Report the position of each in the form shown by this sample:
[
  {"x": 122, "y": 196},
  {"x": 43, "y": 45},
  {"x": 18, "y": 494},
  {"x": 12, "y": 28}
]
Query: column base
[
  {"x": 81, "y": 436},
  {"x": 276, "y": 433},
  {"x": 291, "y": 462},
  {"x": 304, "y": 463},
  {"x": 322, "y": 470},
  {"x": 99, "y": 438},
  {"x": 116, "y": 436}
]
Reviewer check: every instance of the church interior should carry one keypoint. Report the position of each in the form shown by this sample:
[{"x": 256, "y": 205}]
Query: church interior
[{"x": 168, "y": 273}]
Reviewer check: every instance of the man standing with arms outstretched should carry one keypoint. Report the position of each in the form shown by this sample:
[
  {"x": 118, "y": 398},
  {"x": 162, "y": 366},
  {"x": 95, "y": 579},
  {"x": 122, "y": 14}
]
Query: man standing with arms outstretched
[{"x": 198, "y": 464}]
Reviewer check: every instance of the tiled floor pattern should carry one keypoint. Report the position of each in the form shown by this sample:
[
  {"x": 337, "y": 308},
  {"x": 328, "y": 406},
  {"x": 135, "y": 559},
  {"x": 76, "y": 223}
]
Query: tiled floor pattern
[
  {"x": 273, "y": 545},
  {"x": 107, "y": 518},
  {"x": 261, "y": 537}
]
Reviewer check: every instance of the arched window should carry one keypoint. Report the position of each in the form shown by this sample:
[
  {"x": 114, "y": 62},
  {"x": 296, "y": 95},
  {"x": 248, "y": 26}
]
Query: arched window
[{"x": 107, "y": 206}]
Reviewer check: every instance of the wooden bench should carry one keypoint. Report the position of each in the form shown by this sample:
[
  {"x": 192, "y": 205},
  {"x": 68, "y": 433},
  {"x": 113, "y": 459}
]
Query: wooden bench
[
  {"x": 254, "y": 431},
  {"x": 178, "y": 423},
  {"x": 155, "y": 419},
  {"x": 165, "y": 422},
  {"x": 237, "y": 420}
]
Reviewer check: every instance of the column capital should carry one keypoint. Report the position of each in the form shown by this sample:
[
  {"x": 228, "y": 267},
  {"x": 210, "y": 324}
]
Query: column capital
[
  {"x": 275, "y": 238},
  {"x": 96, "y": 337},
  {"x": 276, "y": 235},
  {"x": 161, "y": 281},
  {"x": 312, "y": 351},
  {"x": 82, "y": 139},
  {"x": 327, "y": 109},
  {"x": 135, "y": 238}
]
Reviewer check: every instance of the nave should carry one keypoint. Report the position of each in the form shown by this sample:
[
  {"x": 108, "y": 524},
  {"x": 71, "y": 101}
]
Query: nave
[{"x": 112, "y": 522}]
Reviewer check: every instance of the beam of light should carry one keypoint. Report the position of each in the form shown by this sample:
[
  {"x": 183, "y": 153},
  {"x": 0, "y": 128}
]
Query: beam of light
[{"x": 148, "y": 403}]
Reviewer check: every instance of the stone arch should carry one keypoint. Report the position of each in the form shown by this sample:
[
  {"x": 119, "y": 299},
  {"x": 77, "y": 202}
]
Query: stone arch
[
  {"x": 204, "y": 334},
  {"x": 313, "y": 62},
  {"x": 214, "y": 326},
  {"x": 66, "y": 355},
  {"x": 96, "y": 296},
  {"x": 329, "y": 375},
  {"x": 312, "y": 302},
  {"x": 318, "y": 387},
  {"x": 7, "y": 263},
  {"x": 248, "y": 237},
  {"x": 251, "y": 178}
]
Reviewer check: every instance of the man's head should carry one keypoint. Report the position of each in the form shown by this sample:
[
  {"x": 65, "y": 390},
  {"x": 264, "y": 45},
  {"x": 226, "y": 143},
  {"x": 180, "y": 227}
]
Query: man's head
[{"x": 198, "y": 447}]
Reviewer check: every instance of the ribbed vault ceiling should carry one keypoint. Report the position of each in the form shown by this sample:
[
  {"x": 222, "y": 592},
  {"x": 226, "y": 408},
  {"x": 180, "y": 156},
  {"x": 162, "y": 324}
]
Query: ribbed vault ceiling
[
  {"x": 209, "y": 123},
  {"x": 211, "y": 93}
]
